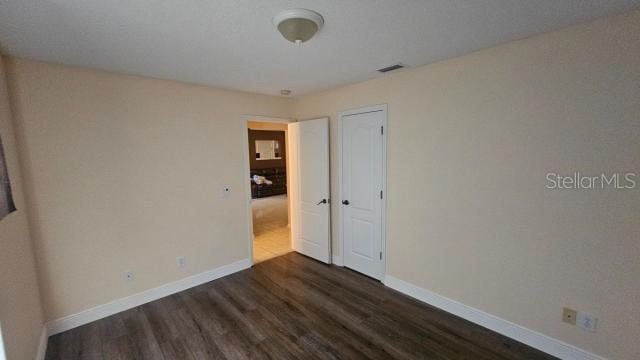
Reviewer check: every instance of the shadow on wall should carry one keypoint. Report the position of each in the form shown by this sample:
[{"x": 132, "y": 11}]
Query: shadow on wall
[{"x": 7, "y": 205}]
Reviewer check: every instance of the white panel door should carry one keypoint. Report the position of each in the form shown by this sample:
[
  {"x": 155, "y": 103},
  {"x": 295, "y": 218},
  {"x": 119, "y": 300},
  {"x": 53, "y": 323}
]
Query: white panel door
[
  {"x": 309, "y": 175},
  {"x": 362, "y": 186}
]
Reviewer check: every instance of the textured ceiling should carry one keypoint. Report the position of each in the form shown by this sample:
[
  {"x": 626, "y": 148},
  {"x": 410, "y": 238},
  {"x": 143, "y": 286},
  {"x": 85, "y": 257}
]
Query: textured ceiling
[{"x": 233, "y": 43}]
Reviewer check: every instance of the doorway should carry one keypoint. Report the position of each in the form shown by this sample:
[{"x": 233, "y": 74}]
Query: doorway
[
  {"x": 363, "y": 189},
  {"x": 268, "y": 178},
  {"x": 303, "y": 163}
]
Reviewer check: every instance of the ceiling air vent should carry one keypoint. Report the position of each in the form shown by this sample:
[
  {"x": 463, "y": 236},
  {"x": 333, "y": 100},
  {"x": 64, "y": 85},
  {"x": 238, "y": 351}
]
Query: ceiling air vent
[{"x": 391, "y": 68}]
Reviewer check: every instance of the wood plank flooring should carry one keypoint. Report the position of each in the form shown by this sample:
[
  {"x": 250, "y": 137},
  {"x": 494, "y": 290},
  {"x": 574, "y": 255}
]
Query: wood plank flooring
[{"x": 289, "y": 307}]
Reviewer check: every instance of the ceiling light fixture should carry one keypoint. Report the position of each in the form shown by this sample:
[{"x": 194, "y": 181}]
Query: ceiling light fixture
[{"x": 298, "y": 25}]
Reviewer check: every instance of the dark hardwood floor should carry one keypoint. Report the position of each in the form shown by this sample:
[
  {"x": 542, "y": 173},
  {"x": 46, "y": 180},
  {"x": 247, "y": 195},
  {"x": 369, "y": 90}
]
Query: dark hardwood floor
[{"x": 290, "y": 307}]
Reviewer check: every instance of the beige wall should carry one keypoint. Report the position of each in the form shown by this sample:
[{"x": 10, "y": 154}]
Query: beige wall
[
  {"x": 470, "y": 142},
  {"x": 21, "y": 315},
  {"x": 126, "y": 173}
]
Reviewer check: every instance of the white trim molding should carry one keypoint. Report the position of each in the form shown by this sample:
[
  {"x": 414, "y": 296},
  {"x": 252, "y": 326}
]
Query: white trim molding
[
  {"x": 526, "y": 336},
  {"x": 336, "y": 260},
  {"x": 101, "y": 311},
  {"x": 42, "y": 344}
]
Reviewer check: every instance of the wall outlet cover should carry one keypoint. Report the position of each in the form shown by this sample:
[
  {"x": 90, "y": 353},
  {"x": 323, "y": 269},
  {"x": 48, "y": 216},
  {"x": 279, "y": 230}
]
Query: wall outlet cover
[
  {"x": 587, "y": 322},
  {"x": 569, "y": 316},
  {"x": 182, "y": 261}
]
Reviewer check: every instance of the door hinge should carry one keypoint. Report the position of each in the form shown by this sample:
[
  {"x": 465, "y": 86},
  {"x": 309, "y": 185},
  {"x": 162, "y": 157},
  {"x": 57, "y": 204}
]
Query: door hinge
[
  {"x": 380, "y": 194},
  {"x": 381, "y": 130},
  {"x": 380, "y": 255}
]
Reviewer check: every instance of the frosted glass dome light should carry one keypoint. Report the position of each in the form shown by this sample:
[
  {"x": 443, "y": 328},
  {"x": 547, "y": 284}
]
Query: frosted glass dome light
[{"x": 298, "y": 25}]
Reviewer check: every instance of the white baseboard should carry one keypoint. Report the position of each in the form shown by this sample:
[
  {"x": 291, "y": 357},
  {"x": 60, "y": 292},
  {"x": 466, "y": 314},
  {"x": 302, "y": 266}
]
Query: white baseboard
[
  {"x": 526, "y": 336},
  {"x": 336, "y": 260},
  {"x": 42, "y": 344},
  {"x": 119, "y": 305}
]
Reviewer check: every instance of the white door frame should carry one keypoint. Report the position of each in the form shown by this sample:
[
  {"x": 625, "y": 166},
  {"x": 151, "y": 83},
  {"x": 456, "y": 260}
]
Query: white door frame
[
  {"x": 385, "y": 248},
  {"x": 247, "y": 174}
]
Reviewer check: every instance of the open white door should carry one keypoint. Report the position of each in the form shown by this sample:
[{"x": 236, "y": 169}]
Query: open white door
[{"x": 309, "y": 188}]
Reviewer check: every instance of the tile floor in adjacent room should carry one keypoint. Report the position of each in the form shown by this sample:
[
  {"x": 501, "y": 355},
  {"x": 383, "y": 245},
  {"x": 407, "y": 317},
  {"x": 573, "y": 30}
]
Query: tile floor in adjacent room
[{"x": 272, "y": 235}]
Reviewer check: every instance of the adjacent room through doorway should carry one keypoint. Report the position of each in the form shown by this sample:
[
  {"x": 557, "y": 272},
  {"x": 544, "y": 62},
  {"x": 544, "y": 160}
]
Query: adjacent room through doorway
[{"x": 269, "y": 189}]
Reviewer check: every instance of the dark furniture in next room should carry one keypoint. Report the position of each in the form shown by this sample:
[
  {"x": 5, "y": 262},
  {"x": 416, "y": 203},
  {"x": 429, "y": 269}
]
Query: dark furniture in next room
[{"x": 277, "y": 175}]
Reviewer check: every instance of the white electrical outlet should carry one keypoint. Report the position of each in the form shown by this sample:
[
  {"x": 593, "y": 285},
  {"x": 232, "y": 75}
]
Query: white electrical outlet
[
  {"x": 587, "y": 322},
  {"x": 182, "y": 261},
  {"x": 128, "y": 276}
]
